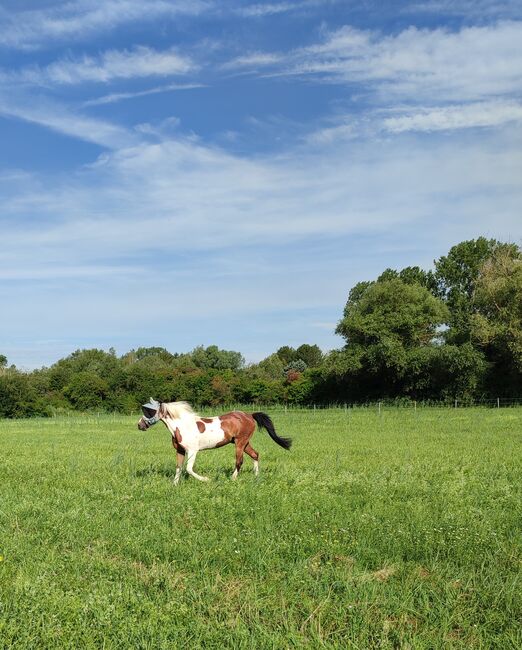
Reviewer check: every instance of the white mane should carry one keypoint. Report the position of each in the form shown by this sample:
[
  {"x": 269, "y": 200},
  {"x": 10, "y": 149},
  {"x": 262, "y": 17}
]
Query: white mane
[{"x": 179, "y": 410}]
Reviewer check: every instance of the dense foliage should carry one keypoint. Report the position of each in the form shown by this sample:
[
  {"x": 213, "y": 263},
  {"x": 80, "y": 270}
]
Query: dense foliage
[{"x": 451, "y": 333}]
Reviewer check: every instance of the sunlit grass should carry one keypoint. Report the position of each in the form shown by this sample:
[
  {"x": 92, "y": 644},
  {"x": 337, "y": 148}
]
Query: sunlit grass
[{"x": 376, "y": 531}]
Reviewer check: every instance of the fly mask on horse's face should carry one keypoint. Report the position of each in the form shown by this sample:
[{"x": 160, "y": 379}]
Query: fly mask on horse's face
[{"x": 150, "y": 414}]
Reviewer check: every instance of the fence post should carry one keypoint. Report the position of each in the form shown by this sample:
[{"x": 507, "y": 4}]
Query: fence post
[
  {"x": 498, "y": 402},
  {"x": 455, "y": 403},
  {"x": 415, "y": 406},
  {"x": 379, "y": 408}
]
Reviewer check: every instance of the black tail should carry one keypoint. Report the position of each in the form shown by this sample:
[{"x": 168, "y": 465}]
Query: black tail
[{"x": 264, "y": 422}]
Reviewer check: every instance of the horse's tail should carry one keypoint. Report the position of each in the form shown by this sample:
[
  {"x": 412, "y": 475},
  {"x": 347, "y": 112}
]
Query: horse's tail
[{"x": 264, "y": 422}]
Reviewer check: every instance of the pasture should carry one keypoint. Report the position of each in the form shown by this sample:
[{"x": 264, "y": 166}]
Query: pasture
[{"x": 398, "y": 530}]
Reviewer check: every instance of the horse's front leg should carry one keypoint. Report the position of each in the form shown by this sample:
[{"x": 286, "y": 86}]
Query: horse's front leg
[
  {"x": 180, "y": 459},
  {"x": 190, "y": 464}
]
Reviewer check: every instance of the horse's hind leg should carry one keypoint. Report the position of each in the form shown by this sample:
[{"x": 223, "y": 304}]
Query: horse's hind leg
[
  {"x": 190, "y": 464},
  {"x": 254, "y": 456},
  {"x": 239, "y": 459}
]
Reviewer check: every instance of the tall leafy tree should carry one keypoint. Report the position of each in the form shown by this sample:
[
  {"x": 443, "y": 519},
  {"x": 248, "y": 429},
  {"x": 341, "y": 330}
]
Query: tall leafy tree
[
  {"x": 411, "y": 275},
  {"x": 310, "y": 354},
  {"x": 286, "y": 354},
  {"x": 391, "y": 310},
  {"x": 496, "y": 325},
  {"x": 384, "y": 323},
  {"x": 456, "y": 275},
  {"x": 213, "y": 357}
]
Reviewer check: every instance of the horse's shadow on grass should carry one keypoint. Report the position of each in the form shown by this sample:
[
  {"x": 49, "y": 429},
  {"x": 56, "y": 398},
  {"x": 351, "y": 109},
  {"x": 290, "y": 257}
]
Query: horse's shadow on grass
[
  {"x": 219, "y": 474},
  {"x": 167, "y": 472}
]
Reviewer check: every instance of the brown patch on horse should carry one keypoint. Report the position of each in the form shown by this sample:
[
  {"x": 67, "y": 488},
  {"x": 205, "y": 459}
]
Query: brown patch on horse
[
  {"x": 239, "y": 428},
  {"x": 176, "y": 442},
  {"x": 207, "y": 420},
  {"x": 226, "y": 441},
  {"x": 238, "y": 425},
  {"x": 201, "y": 426}
]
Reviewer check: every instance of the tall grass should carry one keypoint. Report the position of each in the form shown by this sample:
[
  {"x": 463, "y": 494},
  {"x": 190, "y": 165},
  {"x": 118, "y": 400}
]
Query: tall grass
[{"x": 391, "y": 530}]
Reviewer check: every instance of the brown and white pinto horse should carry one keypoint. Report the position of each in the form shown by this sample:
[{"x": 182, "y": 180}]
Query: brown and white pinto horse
[{"x": 192, "y": 433}]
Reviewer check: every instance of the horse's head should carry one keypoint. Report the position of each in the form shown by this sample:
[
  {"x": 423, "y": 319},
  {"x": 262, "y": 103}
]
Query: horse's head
[{"x": 151, "y": 414}]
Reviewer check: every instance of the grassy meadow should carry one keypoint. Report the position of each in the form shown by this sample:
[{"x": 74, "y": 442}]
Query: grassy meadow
[{"x": 392, "y": 530}]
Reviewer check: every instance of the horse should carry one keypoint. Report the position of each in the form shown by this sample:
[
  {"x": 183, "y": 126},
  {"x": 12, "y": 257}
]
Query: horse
[{"x": 192, "y": 433}]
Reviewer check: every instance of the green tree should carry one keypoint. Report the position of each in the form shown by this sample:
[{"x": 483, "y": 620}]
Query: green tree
[
  {"x": 456, "y": 275},
  {"x": 86, "y": 391},
  {"x": 148, "y": 353},
  {"x": 496, "y": 325},
  {"x": 310, "y": 354},
  {"x": 391, "y": 310},
  {"x": 18, "y": 397},
  {"x": 213, "y": 357},
  {"x": 3, "y": 361},
  {"x": 286, "y": 354},
  {"x": 270, "y": 368},
  {"x": 411, "y": 275},
  {"x": 384, "y": 324}
]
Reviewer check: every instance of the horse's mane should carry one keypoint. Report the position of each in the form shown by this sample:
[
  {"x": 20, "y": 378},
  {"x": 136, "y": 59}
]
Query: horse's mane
[{"x": 179, "y": 410}]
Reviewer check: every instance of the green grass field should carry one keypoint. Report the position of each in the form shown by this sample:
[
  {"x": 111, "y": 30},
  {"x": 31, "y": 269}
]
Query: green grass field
[{"x": 399, "y": 530}]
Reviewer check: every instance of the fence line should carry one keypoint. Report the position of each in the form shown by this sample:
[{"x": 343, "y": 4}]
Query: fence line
[{"x": 377, "y": 406}]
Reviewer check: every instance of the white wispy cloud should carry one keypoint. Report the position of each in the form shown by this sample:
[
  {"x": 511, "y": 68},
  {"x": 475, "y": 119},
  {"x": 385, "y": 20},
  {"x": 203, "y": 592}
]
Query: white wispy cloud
[
  {"x": 481, "y": 114},
  {"x": 268, "y": 9},
  {"x": 110, "y": 65},
  {"x": 253, "y": 60},
  {"x": 79, "y": 19},
  {"x": 371, "y": 124},
  {"x": 118, "y": 97},
  {"x": 58, "y": 117},
  {"x": 415, "y": 65},
  {"x": 468, "y": 8},
  {"x": 189, "y": 221},
  {"x": 262, "y": 9},
  {"x": 362, "y": 187}
]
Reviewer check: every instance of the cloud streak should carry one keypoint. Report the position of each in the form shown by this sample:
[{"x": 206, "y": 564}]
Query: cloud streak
[
  {"x": 61, "y": 119},
  {"x": 109, "y": 66},
  {"x": 414, "y": 65},
  {"x": 363, "y": 187},
  {"x": 80, "y": 19},
  {"x": 456, "y": 117},
  {"x": 118, "y": 97}
]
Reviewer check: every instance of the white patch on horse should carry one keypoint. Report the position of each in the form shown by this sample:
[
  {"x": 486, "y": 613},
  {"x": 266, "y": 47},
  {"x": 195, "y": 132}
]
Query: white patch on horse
[{"x": 212, "y": 435}]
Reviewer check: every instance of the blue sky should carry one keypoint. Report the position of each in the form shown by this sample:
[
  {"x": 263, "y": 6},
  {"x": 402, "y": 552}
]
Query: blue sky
[{"x": 195, "y": 172}]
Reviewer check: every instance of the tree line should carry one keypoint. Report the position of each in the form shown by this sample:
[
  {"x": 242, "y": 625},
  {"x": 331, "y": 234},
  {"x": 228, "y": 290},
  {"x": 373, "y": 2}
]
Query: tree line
[{"x": 454, "y": 332}]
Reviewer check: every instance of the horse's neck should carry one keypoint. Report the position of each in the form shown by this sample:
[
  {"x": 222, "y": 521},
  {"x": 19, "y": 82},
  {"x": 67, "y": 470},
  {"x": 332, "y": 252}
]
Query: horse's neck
[{"x": 181, "y": 421}]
